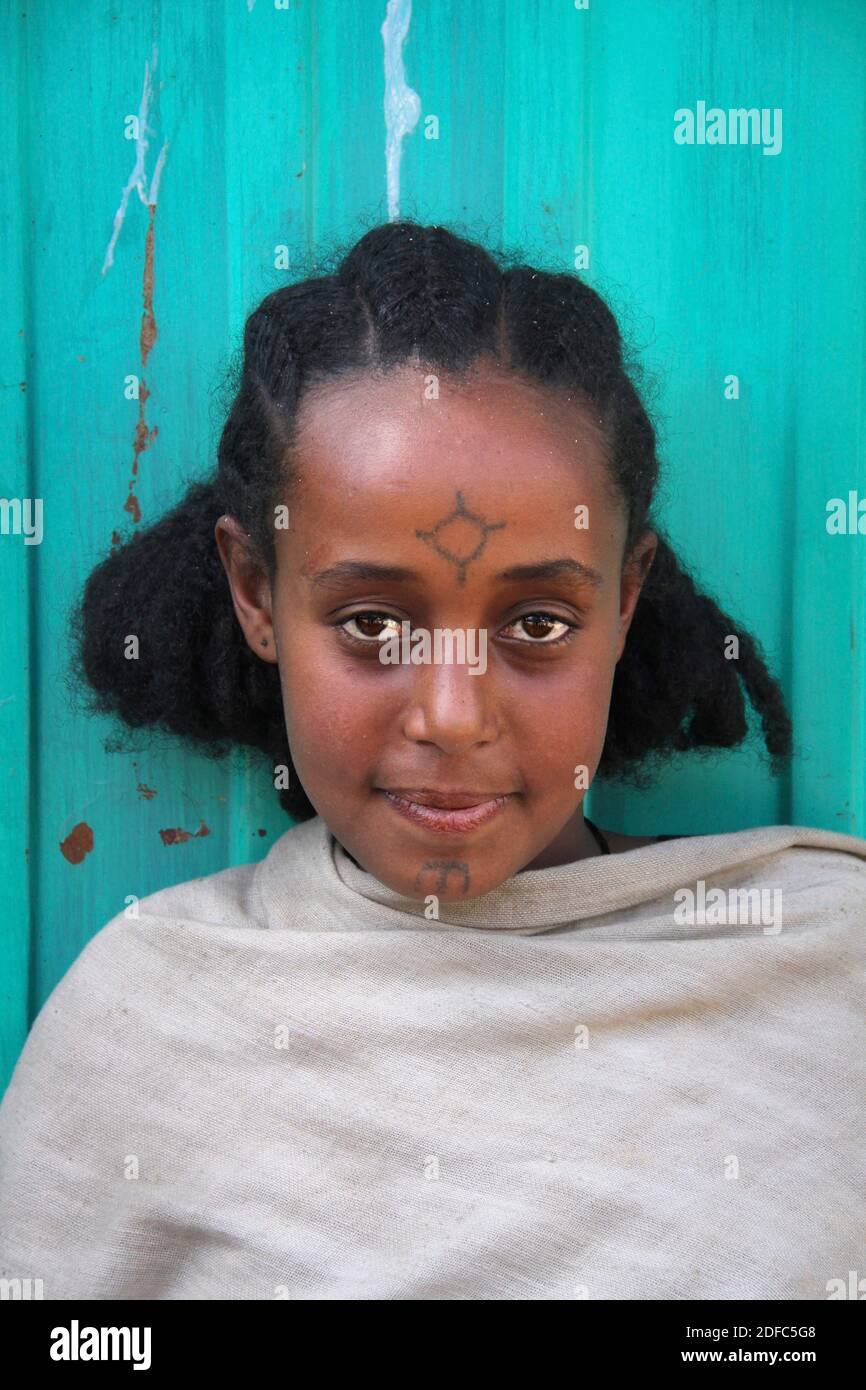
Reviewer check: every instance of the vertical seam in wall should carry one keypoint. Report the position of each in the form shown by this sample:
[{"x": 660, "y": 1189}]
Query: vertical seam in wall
[
  {"x": 857, "y": 616},
  {"x": 505, "y": 230},
  {"x": 586, "y": 172},
  {"x": 792, "y": 502},
  {"x": 30, "y": 481},
  {"x": 311, "y": 128}
]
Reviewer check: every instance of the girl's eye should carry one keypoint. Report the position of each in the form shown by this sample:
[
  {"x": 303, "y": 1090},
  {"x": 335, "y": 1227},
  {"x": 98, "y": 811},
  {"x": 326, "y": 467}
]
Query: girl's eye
[
  {"x": 539, "y": 625},
  {"x": 366, "y": 620},
  {"x": 540, "y": 628}
]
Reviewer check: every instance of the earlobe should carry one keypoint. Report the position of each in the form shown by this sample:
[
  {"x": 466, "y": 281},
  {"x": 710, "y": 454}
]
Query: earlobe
[{"x": 249, "y": 587}]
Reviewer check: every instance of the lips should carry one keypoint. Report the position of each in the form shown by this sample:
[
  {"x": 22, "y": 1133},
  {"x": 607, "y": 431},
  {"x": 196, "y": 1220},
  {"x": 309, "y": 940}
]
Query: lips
[
  {"x": 469, "y": 812},
  {"x": 445, "y": 800}
]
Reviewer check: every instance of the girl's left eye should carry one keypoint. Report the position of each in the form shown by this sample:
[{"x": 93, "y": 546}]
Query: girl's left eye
[{"x": 545, "y": 620}]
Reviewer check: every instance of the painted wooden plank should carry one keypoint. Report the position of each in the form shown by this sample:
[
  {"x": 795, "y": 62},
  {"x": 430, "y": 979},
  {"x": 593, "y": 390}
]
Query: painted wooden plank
[{"x": 17, "y": 555}]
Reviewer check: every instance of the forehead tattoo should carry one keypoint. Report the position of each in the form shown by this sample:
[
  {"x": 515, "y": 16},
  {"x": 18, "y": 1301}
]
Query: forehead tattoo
[{"x": 460, "y": 514}]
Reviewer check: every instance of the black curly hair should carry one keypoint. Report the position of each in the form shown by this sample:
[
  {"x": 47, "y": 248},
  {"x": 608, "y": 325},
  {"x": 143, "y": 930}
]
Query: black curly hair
[{"x": 405, "y": 292}]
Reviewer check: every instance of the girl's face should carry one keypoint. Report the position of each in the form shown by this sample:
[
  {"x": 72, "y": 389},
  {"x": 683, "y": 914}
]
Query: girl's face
[{"x": 458, "y": 514}]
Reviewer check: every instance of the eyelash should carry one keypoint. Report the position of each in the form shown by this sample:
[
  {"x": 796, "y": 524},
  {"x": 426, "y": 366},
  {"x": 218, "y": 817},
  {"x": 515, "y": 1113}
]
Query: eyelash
[{"x": 528, "y": 642}]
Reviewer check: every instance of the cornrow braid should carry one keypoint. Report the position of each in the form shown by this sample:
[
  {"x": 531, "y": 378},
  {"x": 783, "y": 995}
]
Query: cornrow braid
[{"x": 406, "y": 292}]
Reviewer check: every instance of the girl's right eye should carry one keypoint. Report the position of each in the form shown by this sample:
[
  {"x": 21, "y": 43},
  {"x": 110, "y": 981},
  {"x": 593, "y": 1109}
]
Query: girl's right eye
[{"x": 369, "y": 618}]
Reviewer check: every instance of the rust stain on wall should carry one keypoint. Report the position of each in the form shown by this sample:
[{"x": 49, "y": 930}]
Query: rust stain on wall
[
  {"x": 147, "y": 337},
  {"x": 78, "y": 843},
  {"x": 178, "y": 837},
  {"x": 144, "y": 437},
  {"x": 148, "y": 793}
]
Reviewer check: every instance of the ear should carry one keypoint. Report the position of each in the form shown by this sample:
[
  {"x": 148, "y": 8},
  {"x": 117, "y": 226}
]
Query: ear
[
  {"x": 250, "y": 588},
  {"x": 635, "y": 571}
]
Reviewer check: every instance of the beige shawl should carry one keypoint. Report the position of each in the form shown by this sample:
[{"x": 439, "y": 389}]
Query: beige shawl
[{"x": 640, "y": 1076}]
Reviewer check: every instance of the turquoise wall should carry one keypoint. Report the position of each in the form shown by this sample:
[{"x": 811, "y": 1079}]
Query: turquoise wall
[{"x": 266, "y": 128}]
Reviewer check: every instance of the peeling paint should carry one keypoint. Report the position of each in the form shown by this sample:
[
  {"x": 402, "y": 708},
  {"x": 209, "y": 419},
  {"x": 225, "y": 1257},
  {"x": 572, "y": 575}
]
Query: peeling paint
[
  {"x": 78, "y": 843},
  {"x": 147, "y": 333},
  {"x": 137, "y": 177},
  {"x": 146, "y": 792},
  {"x": 179, "y": 837},
  {"x": 131, "y": 505},
  {"x": 402, "y": 103},
  {"x": 144, "y": 437},
  {"x": 147, "y": 337}
]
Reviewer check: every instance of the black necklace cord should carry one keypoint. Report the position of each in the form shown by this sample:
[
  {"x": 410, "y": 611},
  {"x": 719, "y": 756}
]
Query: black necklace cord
[{"x": 600, "y": 839}]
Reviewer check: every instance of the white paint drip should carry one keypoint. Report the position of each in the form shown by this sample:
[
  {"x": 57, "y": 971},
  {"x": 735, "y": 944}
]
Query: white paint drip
[
  {"x": 137, "y": 177},
  {"x": 402, "y": 103}
]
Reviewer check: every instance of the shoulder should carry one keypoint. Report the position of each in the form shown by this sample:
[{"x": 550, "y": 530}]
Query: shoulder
[
  {"x": 189, "y": 926},
  {"x": 817, "y": 876},
  {"x": 224, "y": 898},
  {"x": 829, "y": 869},
  {"x": 233, "y": 897},
  {"x": 812, "y": 856},
  {"x": 171, "y": 951}
]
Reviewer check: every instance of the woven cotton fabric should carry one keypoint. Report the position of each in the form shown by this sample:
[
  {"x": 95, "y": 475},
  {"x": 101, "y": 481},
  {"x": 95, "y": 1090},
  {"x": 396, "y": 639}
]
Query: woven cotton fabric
[{"x": 285, "y": 1080}]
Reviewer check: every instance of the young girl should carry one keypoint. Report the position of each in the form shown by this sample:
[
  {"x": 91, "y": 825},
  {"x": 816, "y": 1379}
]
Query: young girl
[{"x": 449, "y": 1039}]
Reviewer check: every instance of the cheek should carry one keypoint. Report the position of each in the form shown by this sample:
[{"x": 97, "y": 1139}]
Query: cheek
[
  {"x": 332, "y": 710},
  {"x": 560, "y": 719},
  {"x": 339, "y": 715}
]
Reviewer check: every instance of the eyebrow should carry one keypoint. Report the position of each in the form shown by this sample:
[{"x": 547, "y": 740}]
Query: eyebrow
[
  {"x": 555, "y": 569},
  {"x": 563, "y": 567}
]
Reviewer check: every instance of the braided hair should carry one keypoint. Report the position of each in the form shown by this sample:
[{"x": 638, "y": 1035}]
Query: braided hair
[{"x": 405, "y": 291}]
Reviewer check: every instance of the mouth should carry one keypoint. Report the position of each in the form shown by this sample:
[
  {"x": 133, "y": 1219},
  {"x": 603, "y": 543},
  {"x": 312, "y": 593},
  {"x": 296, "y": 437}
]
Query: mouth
[{"x": 449, "y": 812}]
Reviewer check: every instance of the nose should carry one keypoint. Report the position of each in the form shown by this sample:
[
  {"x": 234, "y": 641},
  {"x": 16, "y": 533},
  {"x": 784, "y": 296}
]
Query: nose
[{"x": 450, "y": 707}]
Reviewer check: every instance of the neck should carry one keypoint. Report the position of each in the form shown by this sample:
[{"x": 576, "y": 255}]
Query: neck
[{"x": 574, "y": 841}]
